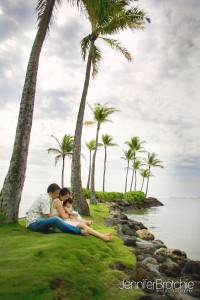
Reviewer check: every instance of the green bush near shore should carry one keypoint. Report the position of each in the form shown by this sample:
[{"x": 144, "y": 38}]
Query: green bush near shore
[
  {"x": 36, "y": 266},
  {"x": 132, "y": 197}
]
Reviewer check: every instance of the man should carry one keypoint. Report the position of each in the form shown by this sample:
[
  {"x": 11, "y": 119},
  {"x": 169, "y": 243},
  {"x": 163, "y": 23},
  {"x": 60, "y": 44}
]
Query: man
[{"x": 39, "y": 217}]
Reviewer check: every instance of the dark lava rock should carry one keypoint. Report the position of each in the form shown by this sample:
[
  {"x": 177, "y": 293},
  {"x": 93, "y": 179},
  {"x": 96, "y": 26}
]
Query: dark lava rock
[
  {"x": 170, "y": 269},
  {"x": 192, "y": 267},
  {"x": 160, "y": 258},
  {"x": 127, "y": 230},
  {"x": 130, "y": 241}
]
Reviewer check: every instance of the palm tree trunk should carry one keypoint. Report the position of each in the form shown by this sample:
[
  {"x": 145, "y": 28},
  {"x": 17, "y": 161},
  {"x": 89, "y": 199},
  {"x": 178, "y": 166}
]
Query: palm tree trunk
[
  {"x": 126, "y": 177},
  {"x": 92, "y": 188},
  {"x": 10, "y": 195},
  {"x": 104, "y": 171},
  {"x": 131, "y": 186},
  {"x": 142, "y": 184},
  {"x": 135, "y": 181},
  {"x": 63, "y": 168},
  {"x": 147, "y": 184},
  {"x": 88, "y": 182},
  {"x": 80, "y": 203}
]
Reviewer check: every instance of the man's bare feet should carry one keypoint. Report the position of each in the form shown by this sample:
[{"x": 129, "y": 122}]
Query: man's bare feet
[{"x": 84, "y": 232}]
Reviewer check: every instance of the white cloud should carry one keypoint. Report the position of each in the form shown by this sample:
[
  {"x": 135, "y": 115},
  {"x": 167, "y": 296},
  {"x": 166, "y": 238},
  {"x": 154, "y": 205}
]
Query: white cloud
[{"x": 157, "y": 94}]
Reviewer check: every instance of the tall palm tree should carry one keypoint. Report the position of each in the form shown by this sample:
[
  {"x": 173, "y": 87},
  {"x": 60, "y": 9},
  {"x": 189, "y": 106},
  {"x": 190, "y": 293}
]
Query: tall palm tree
[
  {"x": 151, "y": 161},
  {"x": 145, "y": 174},
  {"x": 10, "y": 195},
  {"x": 101, "y": 115},
  {"x": 107, "y": 142},
  {"x": 136, "y": 146},
  {"x": 91, "y": 147},
  {"x": 65, "y": 150},
  {"x": 128, "y": 156},
  {"x": 116, "y": 17},
  {"x": 136, "y": 166}
]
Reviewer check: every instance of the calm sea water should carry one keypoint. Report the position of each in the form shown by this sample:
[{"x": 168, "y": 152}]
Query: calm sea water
[{"x": 177, "y": 224}]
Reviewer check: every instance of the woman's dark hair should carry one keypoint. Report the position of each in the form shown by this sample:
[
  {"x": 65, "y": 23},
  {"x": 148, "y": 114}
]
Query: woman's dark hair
[
  {"x": 52, "y": 188},
  {"x": 64, "y": 191},
  {"x": 69, "y": 200}
]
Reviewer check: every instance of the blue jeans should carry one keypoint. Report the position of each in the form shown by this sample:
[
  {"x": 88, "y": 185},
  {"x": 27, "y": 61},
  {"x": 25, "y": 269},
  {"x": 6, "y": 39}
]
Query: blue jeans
[{"x": 42, "y": 225}]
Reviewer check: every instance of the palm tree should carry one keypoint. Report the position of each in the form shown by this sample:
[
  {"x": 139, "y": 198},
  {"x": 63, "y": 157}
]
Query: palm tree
[
  {"x": 136, "y": 166},
  {"x": 91, "y": 147},
  {"x": 136, "y": 146},
  {"x": 145, "y": 174},
  {"x": 10, "y": 195},
  {"x": 101, "y": 115},
  {"x": 65, "y": 150},
  {"x": 107, "y": 142},
  {"x": 128, "y": 156},
  {"x": 116, "y": 17},
  {"x": 151, "y": 161}
]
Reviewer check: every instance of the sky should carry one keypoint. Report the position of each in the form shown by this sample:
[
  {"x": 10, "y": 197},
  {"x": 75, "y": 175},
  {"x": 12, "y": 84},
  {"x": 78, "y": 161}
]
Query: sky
[{"x": 157, "y": 94}]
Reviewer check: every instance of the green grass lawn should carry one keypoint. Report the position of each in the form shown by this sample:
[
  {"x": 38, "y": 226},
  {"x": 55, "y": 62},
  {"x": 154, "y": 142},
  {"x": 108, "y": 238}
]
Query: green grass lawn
[{"x": 62, "y": 266}]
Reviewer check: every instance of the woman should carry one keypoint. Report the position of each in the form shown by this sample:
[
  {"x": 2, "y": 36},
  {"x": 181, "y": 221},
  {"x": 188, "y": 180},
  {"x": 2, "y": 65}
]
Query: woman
[{"x": 57, "y": 208}]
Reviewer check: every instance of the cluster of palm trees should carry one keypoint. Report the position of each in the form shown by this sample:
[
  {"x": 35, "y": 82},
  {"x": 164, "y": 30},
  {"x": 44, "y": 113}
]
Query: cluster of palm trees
[
  {"x": 107, "y": 17},
  {"x": 136, "y": 162}
]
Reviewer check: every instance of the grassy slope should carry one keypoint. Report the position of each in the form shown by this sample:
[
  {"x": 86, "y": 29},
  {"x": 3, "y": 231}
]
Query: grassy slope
[{"x": 62, "y": 266}]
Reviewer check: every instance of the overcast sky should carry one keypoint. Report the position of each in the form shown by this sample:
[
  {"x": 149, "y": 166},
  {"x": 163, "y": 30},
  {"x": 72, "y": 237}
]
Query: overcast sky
[{"x": 157, "y": 94}]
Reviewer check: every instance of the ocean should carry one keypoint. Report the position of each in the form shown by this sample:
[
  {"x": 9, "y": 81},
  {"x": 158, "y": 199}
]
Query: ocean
[{"x": 177, "y": 223}]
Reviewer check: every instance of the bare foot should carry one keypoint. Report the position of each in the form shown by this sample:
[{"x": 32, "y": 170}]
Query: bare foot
[
  {"x": 89, "y": 223},
  {"x": 84, "y": 232},
  {"x": 106, "y": 237}
]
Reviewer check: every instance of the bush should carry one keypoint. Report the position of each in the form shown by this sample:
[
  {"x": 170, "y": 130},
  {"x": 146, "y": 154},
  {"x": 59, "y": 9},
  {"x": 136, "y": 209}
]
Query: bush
[
  {"x": 104, "y": 195},
  {"x": 134, "y": 197},
  {"x": 109, "y": 195}
]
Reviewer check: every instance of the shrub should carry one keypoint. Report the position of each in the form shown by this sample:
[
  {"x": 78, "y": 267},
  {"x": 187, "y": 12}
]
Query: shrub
[
  {"x": 134, "y": 197},
  {"x": 112, "y": 196}
]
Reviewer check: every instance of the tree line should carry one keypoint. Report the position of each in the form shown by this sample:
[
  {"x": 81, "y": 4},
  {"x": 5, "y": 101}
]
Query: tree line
[
  {"x": 106, "y": 17},
  {"x": 135, "y": 163}
]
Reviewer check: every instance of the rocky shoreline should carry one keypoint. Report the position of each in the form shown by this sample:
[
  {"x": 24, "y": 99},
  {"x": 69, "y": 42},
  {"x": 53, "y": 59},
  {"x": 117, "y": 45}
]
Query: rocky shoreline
[{"x": 162, "y": 273}]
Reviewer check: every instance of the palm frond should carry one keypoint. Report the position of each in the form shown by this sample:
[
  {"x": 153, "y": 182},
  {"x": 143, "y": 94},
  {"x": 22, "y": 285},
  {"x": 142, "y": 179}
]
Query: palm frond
[
  {"x": 54, "y": 150},
  {"x": 116, "y": 45},
  {"x": 41, "y": 11},
  {"x": 57, "y": 159},
  {"x": 85, "y": 46},
  {"x": 89, "y": 123},
  {"x": 96, "y": 60}
]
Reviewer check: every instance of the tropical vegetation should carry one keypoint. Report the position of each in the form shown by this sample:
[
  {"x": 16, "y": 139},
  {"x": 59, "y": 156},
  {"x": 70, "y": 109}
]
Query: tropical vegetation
[{"x": 65, "y": 149}]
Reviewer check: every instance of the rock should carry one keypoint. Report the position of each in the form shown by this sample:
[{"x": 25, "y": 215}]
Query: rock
[
  {"x": 160, "y": 258},
  {"x": 170, "y": 269},
  {"x": 154, "y": 269},
  {"x": 150, "y": 260},
  {"x": 145, "y": 245},
  {"x": 174, "y": 254},
  {"x": 127, "y": 230},
  {"x": 195, "y": 276},
  {"x": 130, "y": 241},
  {"x": 115, "y": 221},
  {"x": 144, "y": 234},
  {"x": 141, "y": 273},
  {"x": 119, "y": 265},
  {"x": 192, "y": 267},
  {"x": 195, "y": 293}
]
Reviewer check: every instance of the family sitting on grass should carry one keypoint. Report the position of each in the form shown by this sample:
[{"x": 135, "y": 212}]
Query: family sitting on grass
[{"x": 53, "y": 210}]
